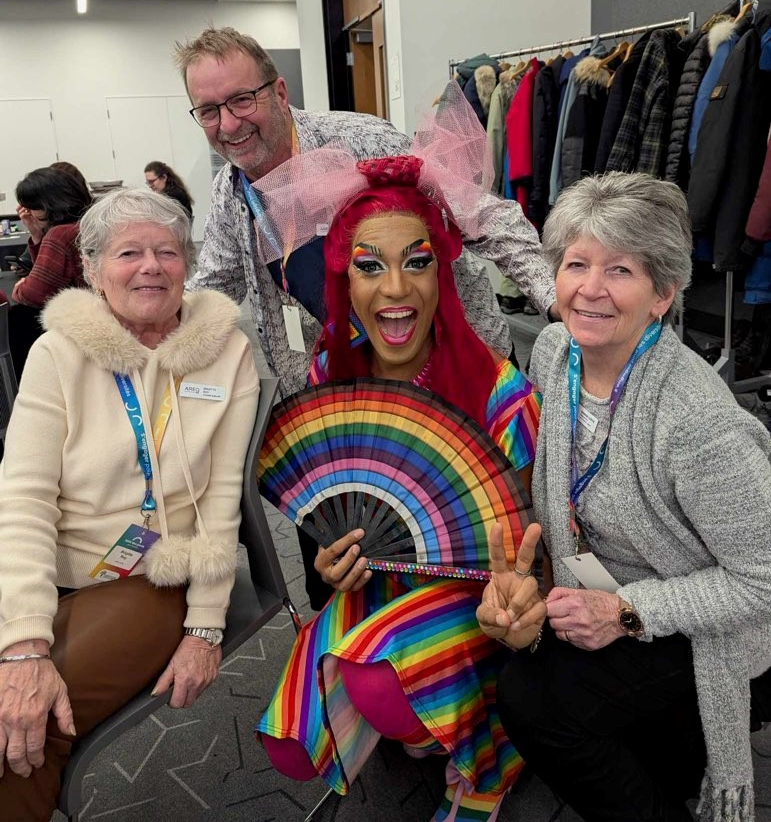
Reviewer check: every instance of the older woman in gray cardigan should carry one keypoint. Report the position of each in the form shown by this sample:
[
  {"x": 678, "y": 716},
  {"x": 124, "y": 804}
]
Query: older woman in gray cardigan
[{"x": 653, "y": 490}]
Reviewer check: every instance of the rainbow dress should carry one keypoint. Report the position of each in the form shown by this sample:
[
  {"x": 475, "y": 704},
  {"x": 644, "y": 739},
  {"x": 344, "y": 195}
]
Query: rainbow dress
[{"x": 427, "y": 630}]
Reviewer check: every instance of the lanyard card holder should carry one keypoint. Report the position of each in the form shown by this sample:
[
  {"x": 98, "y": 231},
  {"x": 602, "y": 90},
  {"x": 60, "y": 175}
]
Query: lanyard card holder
[{"x": 125, "y": 554}]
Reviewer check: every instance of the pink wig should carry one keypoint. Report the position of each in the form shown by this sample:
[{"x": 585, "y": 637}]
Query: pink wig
[{"x": 462, "y": 369}]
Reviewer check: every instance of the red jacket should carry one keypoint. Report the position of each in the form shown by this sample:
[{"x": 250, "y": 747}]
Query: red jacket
[
  {"x": 56, "y": 265},
  {"x": 519, "y": 135},
  {"x": 759, "y": 221}
]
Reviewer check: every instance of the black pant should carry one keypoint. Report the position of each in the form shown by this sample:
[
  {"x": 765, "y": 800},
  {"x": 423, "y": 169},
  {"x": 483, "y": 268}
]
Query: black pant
[
  {"x": 616, "y": 732},
  {"x": 318, "y": 591}
]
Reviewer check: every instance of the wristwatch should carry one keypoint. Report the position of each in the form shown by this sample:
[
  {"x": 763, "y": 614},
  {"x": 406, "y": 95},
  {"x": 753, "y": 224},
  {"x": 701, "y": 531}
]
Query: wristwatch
[
  {"x": 629, "y": 620},
  {"x": 212, "y": 635}
]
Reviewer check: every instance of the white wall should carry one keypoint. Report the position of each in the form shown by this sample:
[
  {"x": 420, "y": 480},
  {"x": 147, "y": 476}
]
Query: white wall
[
  {"x": 422, "y": 35},
  {"x": 120, "y": 48},
  {"x": 313, "y": 57}
]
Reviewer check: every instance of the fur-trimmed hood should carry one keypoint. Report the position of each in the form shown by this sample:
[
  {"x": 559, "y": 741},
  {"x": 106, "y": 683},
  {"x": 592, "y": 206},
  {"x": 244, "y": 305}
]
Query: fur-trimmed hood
[
  {"x": 590, "y": 70},
  {"x": 718, "y": 34},
  {"x": 208, "y": 320},
  {"x": 485, "y": 79}
]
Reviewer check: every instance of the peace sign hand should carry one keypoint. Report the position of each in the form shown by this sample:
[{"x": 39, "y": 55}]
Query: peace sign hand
[{"x": 511, "y": 609}]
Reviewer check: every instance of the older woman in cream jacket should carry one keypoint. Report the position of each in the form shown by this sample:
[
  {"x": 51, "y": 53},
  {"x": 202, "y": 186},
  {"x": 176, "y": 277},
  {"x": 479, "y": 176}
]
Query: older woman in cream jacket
[{"x": 119, "y": 494}]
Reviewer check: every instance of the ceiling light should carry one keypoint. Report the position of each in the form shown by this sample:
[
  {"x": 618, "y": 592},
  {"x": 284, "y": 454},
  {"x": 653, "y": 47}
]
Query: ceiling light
[{"x": 82, "y": 6}]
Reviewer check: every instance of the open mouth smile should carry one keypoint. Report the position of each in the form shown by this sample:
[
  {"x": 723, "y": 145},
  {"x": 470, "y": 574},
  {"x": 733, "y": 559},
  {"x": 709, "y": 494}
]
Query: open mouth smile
[{"x": 397, "y": 325}]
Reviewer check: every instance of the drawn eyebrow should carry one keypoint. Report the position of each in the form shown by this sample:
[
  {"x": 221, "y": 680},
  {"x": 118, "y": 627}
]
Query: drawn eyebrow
[
  {"x": 412, "y": 246},
  {"x": 373, "y": 249}
]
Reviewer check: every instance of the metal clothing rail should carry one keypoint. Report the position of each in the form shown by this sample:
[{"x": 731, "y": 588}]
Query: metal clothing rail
[{"x": 689, "y": 21}]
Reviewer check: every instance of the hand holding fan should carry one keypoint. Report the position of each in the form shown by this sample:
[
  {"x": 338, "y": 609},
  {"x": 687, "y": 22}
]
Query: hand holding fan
[{"x": 419, "y": 476}]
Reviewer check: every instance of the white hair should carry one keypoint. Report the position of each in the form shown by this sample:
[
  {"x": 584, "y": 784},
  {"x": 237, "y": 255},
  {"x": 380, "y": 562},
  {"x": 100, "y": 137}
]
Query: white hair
[
  {"x": 632, "y": 214},
  {"x": 120, "y": 208}
]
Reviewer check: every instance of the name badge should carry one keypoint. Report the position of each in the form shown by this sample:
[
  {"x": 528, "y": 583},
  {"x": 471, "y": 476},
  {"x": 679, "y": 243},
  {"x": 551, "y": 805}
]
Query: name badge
[
  {"x": 591, "y": 573},
  {"x": 587, "y": 419},
  {"x": 199, "y": 391},
  {"x": 125, "y": 554},
  {"x": 294, "y": 328}
]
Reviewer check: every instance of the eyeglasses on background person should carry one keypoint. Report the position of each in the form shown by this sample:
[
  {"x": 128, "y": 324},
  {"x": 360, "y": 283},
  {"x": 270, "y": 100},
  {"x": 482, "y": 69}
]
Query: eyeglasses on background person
[{"x": 239, "y": 105}]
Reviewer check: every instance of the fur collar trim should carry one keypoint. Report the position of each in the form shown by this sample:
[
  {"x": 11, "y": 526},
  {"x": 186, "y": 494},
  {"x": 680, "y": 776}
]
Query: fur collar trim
[
  {"x": 485, "y": 80},
  {"x": 719, "y": 33},
  {"x": 208, "y": 320},
  {"x": 589, "y": 70}
]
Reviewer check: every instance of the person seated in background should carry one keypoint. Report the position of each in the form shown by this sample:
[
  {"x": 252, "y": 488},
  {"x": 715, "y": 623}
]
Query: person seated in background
[
  {"x": 83, "y": 626},
  {"x": 646, "y": 467},
  {"x": 163, "y": 179},
  {"x": 70, "y": 168},
  {"x": 390, "y": 248},
  {"x": 51, "y": 202}
]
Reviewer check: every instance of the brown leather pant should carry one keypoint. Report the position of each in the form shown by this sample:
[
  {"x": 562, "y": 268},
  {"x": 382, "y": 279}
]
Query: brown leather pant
[{"x": 111, "y": 641}]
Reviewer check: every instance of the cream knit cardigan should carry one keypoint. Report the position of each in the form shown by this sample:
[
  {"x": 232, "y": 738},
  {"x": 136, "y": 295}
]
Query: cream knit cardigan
[{"x": 70, "y": 483}]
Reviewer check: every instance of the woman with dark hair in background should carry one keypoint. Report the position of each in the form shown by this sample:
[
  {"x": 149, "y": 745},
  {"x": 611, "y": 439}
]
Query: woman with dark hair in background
[
  {"x": 165, "y": 180},
  {"x": 69, "y": 168},
  {"x": 51, "y": 203}
]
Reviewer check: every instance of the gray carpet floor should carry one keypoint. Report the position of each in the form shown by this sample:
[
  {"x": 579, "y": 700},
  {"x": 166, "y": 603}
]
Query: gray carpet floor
[{"x": 203, "y": 763}]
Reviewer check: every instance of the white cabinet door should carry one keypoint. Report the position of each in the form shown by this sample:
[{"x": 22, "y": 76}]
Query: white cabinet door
[
  {"x": 160, "y": 128},
  {"x": 27, "y": 141}
]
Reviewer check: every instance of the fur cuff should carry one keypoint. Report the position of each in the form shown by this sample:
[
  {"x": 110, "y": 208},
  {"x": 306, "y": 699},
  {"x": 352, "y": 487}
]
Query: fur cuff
[
  {"x": 211, "y": 560},
  {"x": 167, "y": 563}
]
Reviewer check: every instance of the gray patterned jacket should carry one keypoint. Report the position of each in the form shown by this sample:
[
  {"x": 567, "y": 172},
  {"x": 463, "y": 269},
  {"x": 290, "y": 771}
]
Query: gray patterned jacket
[{"x": 228, "y": 261}]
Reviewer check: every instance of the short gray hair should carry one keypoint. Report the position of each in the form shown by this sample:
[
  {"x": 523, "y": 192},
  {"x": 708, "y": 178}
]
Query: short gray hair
[
  {"x": 220, "y": 43},
  {"x": 633, "y": 214},
  {"x": 122, "y": 207}
]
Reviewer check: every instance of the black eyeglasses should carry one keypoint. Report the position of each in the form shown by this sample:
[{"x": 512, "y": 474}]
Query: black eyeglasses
[{"x": 239, "y": 105}]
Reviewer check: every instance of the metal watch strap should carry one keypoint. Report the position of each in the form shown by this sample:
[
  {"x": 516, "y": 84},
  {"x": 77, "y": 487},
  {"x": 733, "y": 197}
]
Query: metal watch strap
[{"x": 212, "y": 635}]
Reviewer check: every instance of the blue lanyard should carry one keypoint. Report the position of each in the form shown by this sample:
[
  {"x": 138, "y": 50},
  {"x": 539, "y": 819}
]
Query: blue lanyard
[
  {"x": 134, "y": 412},
  {"x": 578, "y": 484},
  {"x": 258, "y": 212}
]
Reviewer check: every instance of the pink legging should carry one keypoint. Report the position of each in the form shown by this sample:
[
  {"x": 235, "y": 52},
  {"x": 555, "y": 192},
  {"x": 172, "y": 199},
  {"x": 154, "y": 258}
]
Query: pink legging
[{"x": 370, "y": 687}]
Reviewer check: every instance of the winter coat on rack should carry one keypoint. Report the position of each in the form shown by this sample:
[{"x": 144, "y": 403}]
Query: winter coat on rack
[
  {"x": 546, "y": 94},
  {"x": 496, "y": 124},
  {"x": 479, "y": 90},
  {"x": 566, "y": 102},
  {"x": 721, "y": 41},
  {"x": 678, "y": 165},
  {"x": 731, "y": 148},
  {"x": 759, "y": 222},
  {"x": 466, "y": 69},
  {"x": 757, "y": 284},
  {"x": 519, "y": 140},
  {"x": 643, "y": 136},
  {"x": 618, "y": 99},
  {"x": 696, "y": 47},
  {"x": 582, "y": 131}
]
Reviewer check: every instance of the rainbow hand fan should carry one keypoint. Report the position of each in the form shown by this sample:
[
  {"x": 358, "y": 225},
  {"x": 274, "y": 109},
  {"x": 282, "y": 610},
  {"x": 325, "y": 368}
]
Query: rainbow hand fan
[{"x": 422, "y": 479}]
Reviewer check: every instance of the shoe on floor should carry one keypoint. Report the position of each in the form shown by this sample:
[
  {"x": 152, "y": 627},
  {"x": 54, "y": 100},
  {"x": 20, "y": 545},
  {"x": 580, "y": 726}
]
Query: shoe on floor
[{"x": 512, "y": 305}]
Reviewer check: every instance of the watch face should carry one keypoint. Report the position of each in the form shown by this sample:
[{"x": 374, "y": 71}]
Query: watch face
[{"x": 630, "y": 621}]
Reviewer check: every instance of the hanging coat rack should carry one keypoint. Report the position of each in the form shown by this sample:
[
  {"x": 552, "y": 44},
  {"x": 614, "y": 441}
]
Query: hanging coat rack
[{"x": 689, "y": 21}]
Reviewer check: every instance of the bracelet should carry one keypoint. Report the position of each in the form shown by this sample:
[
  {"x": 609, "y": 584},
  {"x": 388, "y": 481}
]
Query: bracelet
[
  {"x": 536, "y": 642},
  {"x": 21, "y": 657}
]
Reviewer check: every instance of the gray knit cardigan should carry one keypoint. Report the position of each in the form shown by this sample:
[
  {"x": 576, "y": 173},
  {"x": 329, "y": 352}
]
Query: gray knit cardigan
[{"x": 691, "y": 482}]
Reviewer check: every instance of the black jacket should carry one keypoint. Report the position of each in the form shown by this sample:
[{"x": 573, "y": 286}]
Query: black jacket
[
  {"x": 696, "y": 47},
  {"x": 678, "y": 162},
  {"x": 584, "y": 121},
  {"x": 620, "y": 92},
  {"x": 546, "y": 97},
  {"x": 731, "y": 149}
]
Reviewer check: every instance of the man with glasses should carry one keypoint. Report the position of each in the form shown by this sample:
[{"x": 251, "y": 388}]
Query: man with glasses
[{"x": 241, "y": 104}]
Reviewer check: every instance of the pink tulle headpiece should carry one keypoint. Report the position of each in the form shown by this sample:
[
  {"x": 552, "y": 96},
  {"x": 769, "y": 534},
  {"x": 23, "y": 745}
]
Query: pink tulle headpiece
[{"x": 449, "y": 161}]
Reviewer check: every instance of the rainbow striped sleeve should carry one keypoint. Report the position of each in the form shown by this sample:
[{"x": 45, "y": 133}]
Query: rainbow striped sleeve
[{"x": 513, "y": 411}]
